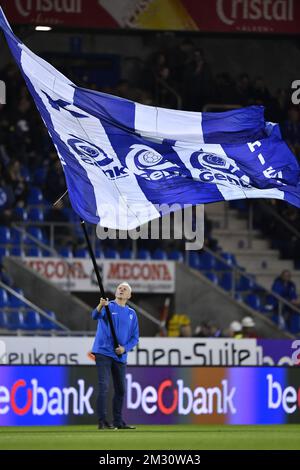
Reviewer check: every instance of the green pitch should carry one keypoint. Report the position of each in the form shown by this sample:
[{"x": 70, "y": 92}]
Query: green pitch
[{"x": 185, "y": 437}]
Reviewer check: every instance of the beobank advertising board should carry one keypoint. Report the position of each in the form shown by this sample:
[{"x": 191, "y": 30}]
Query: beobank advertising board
[{"x": 61, "y": 395}]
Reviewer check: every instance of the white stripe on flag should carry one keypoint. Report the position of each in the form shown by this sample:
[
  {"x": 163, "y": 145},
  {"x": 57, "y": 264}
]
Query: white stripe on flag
[{"x": 172, "y": 124}]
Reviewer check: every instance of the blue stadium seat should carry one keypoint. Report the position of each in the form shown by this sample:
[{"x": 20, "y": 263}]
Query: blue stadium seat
[
  {"x": 34, "y": 251},
  {"x": 193, "y": 259},
  {"x": 16, "y": 237},
  {"x": 253, "y": 301},
  {"x": 17, "y": 251},
  {"x": 25, "y": 173},
  {"x": 98, "y": 253},
  {"x": 14, "y": 302},
  {"x": 66, "y": 252},
  {"x": 175, "y": 255},
  {"x": 126, "y": 254},
  {"x": 81, "y": 253},
  {"x": 159, "y": 254},
  {"x": 245, "y": 284},
  {"x": 5, "y": 235},
  {"x": 207, "y": 261},
  {"x": 3, "y": 321},
  {"x": 36, "y": 215},
  {"x": 47, "y": 324},
  {"x": 15, "y": 320},
  {"x": 35, "y": 196},
  {"x": 211, "y": 276},
  {"x": 47, "y": 254},
  {"x": 143, "y": 254},
  {"x": 227, "y": 281},
  {"x": 111, "y": 253},
  {"x": 35, "y": 232},
  {"x": 4, "y": 300},
  {"x": 32, "y": 320},
  {"x": 227, "y": 264},
  {"x": 294, "y": 326},
  {"x": 39, "y": 175},
  {"x": 4, "y": 252},
  {"x": 21, "y": 214}
]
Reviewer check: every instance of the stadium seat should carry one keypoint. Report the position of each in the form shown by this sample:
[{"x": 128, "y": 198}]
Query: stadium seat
[
  {"x": 294, "y": 325},
  {"x": 17, "y": 251},
  {"x": 47, "y": 254},
  {"x": 175, "y": 255},
  {"x": 15, "y": 302},
  {"x": 143, "y": 254},
  {"x": 66, "y": 252},
  {"x": 16, "y": 237},
  {"x": 4, "y": 300},
  {"x": 15, "y": 320},
  {"x": 245, "y": 284},
  {"x": 5, "y": 235},
  {"x": 227, "y": 280},
  {"x": 253, "y": 301},
  {"x": 111, "y": 253},
  {"x": 47, "y": 324},
  {"x": 35, "y": 232},
  {"x": 212, "y": 277},
  {"x": 25, "y": 173},
  {"x": 126, "y": 254},
  {"x": 193, "y": 259},
  {"x": 36, "y": 215},
  {"x": 35, "y": 196},
  {"x": 3, "y": 321},
  {"x": 81, "y": 253},
  {"x": 21, "y": 214},
  {"x": 39, "y": 175},
  {"x": 159, "y": 254},
  {"x": 32, "y": 320},
  {"x": 98, "y": 253},
  {"x": 207, "y": 261},
  {"x": 34, "y": 251},
  {"x": 3, "y": 252}
]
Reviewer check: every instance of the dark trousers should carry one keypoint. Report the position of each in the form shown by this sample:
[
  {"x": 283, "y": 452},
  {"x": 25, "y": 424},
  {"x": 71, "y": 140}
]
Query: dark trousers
[{"x": 106, "y": 365}]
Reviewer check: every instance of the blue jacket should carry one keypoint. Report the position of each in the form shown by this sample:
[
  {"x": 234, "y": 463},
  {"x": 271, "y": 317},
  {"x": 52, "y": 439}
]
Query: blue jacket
[{"x": 126, "y": 327}]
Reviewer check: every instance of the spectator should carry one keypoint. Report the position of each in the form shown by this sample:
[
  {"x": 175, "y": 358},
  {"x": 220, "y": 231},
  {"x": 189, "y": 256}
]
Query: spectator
[
  {"x": 7, "y": 200},
  {"x": 235, "y": 330},
  {"x": 179, "y": 325},
  {"x": 248, "y": 325},
  {"x": 285, "y": 288}
]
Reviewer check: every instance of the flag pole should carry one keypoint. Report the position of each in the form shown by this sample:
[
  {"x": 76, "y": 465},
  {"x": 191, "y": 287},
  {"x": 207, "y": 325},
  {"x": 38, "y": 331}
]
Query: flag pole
[{"x": 101, "y": 288}]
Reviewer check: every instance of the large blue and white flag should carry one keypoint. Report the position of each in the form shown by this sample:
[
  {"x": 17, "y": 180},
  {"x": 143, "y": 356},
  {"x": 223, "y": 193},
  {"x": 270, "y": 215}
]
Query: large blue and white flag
[{"x": 126, "y": 163}]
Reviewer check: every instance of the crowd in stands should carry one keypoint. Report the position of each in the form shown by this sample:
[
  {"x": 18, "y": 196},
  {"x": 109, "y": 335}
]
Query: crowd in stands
[{"x": 28, "y": 158}]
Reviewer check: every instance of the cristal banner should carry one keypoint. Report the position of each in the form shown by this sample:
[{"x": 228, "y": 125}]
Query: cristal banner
[
  {"x": 61, "y": 395},
  {"x": 264, "y": 16}
]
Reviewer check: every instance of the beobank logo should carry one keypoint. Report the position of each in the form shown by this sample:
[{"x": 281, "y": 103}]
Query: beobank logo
[
  {"x": 288, "y": 398},
  {"x": 219, "y": 400},
  {"x": 40, "y": 401}
]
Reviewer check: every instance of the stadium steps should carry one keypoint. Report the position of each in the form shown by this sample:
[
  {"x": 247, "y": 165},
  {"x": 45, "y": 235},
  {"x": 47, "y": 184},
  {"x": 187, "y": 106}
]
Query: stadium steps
[{"x": 251, "y": 249}]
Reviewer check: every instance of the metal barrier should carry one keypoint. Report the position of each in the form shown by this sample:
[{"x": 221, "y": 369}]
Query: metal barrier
[
  {"x": 33, "y": 306},
  {"x": 236, "y": 273}
]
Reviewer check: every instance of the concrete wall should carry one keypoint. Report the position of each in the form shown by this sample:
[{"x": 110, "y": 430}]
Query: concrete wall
[
  {"x": 69, "y": 310},
  {"x": 202, "y": 300}
]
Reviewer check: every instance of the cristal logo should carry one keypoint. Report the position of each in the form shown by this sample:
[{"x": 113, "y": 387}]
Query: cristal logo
[
  {"x": 234, "y": 10},
  {"x": 39, "y": 401},
  {"x": 25, "y": 7},
  {"x": 184, "y": 400},
  {"x": 287, "y": 398}
]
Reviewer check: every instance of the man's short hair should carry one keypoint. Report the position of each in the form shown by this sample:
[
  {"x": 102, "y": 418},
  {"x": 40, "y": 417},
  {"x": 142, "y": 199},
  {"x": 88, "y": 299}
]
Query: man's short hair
[{"x": 127, "y": 285}]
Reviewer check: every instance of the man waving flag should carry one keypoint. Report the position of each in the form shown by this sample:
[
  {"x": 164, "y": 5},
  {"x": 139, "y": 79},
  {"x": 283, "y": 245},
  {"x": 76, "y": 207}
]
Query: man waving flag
[{"x": 126, "y": 163}]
